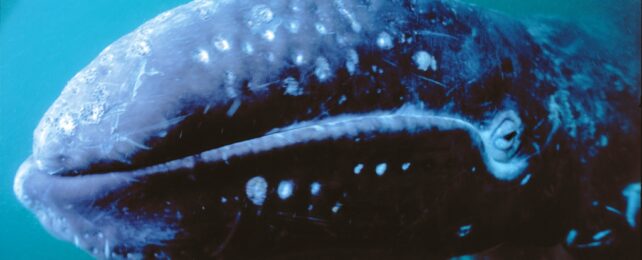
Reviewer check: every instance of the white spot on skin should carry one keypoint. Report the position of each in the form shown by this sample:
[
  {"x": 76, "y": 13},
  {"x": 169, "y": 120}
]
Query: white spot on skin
[
  {"x": 291, "y": 86},
  {"x": 384, "y": 41},
  {"x": 632, "y": 195},
  {"x": 570, "y": 237},
  {"x": 352, "y": 61},
  {"x": 256, "y": 190},
  {"x": 464, "y": 230},
  {"x": 525, "y": 179},
  {"x": 342, "y": 99},
  {"x": 293, "y": 27},
  {"x": 405, "y": 166},
  {"x": 248, "y": 48},
  {"x": 601, "y": 234},
  {"x": 233, "y": 108},
  {"x": 358, "y": 168},
  {"x": 381, "y": 169},
  {"x": 322, "y": 70},
  {"x": 336, "y": 207},
  {"x": 424, "y": 61},
  {"x": 221, "y": 44},
  {"x": 203, "y": 56},
  {"x": 269, "y": 35},
  {"x": 321, "y": 28},
  {"x": 315, "y": 188},
  {"x": 223, "y": 200},
  {"x": 285, "y": 189},
  {"x": 298, "y": 59}
]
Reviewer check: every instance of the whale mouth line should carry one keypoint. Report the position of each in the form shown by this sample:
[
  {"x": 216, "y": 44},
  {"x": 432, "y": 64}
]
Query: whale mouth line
[{"x": 328, "y": 129}]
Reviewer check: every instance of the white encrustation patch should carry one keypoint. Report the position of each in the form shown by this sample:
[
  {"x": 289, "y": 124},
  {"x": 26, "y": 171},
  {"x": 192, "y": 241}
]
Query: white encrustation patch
[
  {"x": 315, "y": 188},
  {"x": 356, "y": 27},
  {"x": 322, "y": 69},
  {"x": 256, "y": 190},
  {"x": 424, "y": 61},
  {"x": 203, "y": 56},
  {"x": 92, "y": 113},
  {"x": 405, "y": 166},
  {"x": 221, "y": 44},
  {"x": 285, "y": 189},
  {"x": 384, "y": 41},
  {"x": 142, "y": 48},
  {"x": 381, "y": 169},
  {"x": 358, "y": 168},
  {"x": 260, "y": 14},
  {"x": 67, "y": 123}
]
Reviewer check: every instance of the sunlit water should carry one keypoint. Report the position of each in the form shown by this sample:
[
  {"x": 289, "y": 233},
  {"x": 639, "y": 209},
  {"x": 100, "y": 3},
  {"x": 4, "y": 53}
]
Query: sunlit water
[{"x": 43, "y": 43}]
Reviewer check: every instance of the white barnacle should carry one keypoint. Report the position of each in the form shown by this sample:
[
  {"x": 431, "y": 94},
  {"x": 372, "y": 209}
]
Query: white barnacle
[
  {"x": 424, "y": 61},
  {"x": 298, "y": 59},
  {"x": 269, "y": 35},
  {"x": 203, "y": 56},
  {"x": 221, "y": 44},
  {"x": 384, "y": 41}
]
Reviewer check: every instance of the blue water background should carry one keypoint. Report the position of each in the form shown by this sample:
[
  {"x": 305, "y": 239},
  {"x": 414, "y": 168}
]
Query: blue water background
[{"x": 43, "y": 43}]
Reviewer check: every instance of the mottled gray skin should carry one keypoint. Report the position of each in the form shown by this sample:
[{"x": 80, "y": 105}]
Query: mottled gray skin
[{"x": 149, "y": 150}]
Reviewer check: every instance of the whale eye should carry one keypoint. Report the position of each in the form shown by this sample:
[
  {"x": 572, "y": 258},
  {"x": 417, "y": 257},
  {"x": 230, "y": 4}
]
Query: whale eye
[{"x": 505, "y": 137}]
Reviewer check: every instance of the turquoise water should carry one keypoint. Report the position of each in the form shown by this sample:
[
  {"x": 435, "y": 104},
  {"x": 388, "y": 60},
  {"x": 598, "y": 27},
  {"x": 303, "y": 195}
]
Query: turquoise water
[{"x": 43, "y": 43}]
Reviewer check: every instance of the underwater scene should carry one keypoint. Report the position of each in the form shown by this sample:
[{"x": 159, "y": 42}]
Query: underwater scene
[{"x": 320, "y": 129}]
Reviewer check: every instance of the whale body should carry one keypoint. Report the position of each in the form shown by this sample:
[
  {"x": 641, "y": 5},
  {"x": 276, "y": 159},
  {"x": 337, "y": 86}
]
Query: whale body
[{"x": 289, "y": 128}]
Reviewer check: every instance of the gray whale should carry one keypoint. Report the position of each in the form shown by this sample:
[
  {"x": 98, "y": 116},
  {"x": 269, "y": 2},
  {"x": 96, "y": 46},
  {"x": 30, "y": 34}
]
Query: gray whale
[{"x": 418, "y": 128}]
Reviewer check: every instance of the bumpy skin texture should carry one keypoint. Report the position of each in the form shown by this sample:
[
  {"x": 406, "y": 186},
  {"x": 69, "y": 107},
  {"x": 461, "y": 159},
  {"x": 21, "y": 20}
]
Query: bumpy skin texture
[{"x": 406, "y": 128}]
